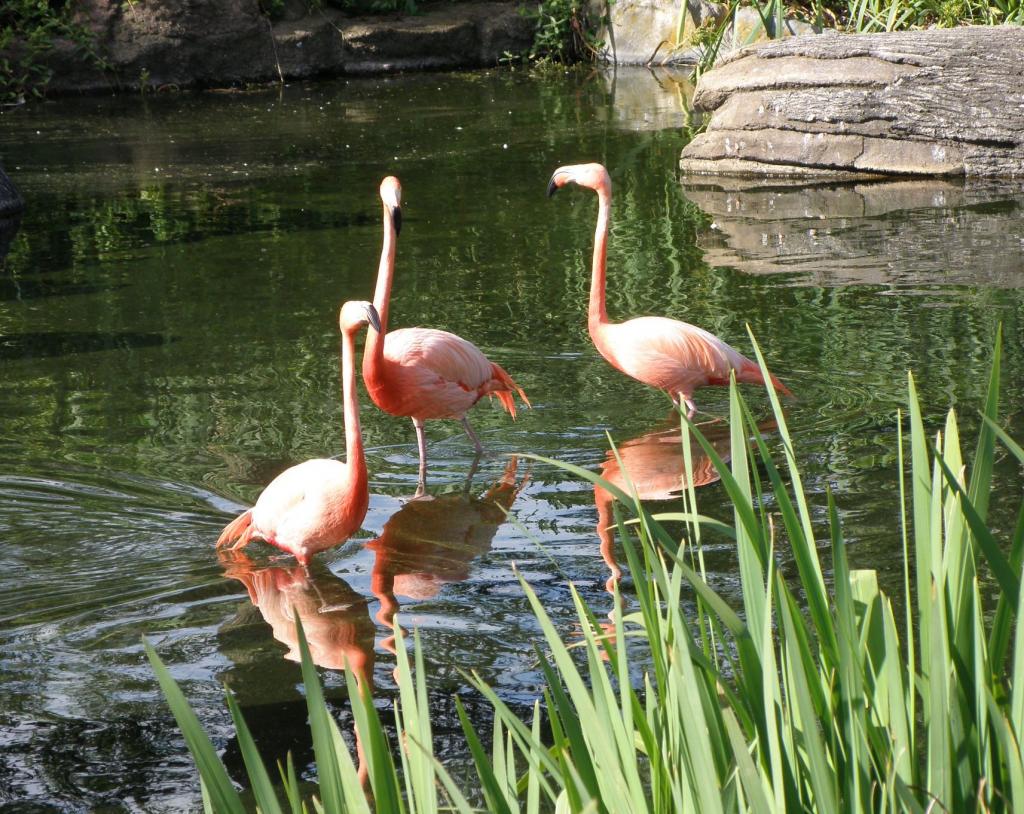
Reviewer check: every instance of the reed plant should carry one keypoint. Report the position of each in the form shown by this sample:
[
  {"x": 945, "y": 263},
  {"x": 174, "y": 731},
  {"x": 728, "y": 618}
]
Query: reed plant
[{"x": 815, "y": 694}]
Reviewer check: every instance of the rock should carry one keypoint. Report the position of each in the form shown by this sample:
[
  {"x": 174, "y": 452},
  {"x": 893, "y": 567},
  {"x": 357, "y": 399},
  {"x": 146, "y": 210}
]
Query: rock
[
  {"x": 936, "y": 102},
  {"x": 905, "y": 232},
  {"x": 641, "y": 31},
  {"x": 221, "y": 43},
  {"x": 664, "y": 32}
]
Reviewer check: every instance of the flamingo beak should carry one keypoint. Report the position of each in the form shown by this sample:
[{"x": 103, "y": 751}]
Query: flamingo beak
[
  {"x": 373, "y": 317},
  {"x": 553, "y": 186},
  {"x": 396, "y": 217}
]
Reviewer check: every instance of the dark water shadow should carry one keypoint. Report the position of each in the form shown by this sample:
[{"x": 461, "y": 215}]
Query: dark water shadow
[
  {"x": 907, "y": 232},
  {"x": 42, "y": 345}
]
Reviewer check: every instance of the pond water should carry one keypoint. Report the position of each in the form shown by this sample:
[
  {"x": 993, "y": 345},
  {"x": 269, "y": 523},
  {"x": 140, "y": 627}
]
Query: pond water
[{"x": 168, "y": 343}]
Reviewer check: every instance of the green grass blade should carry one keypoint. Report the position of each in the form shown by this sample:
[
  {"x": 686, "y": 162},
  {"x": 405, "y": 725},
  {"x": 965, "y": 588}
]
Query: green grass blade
[
  {"x": 259, "y": 781},
  {"x": 223, "y": 797},
  {"x": 1000, "y": 566},
  {"x": 492, "y": 789},
  {"x": 327, "y": 759},
  {"x": 981, "y": 471}
]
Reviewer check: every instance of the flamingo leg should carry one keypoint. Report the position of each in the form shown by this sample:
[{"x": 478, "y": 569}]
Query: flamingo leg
[
  {"x": 421, "y": 442},
  {"x": 472, "y": 436}
]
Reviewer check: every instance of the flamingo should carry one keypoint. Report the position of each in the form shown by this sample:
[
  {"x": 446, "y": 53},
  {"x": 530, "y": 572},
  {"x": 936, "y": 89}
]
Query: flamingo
[
  {"x": 668, "y": 354},
  {"x": 321, "y": 502},
  {"x": 425, "y": 373}
]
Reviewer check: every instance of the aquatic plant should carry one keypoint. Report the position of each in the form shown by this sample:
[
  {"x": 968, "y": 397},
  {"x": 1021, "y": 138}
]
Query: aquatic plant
[{"x": 833, "y": 701}]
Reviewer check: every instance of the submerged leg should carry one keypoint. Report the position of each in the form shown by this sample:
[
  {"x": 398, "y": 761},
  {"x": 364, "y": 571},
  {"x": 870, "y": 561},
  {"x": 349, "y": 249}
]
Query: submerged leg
[
  {"x": 421, "y": 441},
  {"x": 472, "y": 436},
  {"x": 681, "y": 398}
]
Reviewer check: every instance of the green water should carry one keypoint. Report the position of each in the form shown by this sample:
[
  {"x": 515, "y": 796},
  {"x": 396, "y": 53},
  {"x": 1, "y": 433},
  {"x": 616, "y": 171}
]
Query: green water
[{"x": 168, "y": 343}]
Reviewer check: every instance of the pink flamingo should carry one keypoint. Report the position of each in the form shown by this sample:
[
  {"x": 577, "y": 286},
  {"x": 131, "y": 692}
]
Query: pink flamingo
[
  {"x": 424, "y": 373},
  {"x": 321, "y": 502},
  {"x": 668, "y": 354}
]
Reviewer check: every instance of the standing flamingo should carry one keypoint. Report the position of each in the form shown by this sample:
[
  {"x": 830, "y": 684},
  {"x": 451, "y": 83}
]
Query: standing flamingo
[
  {"x": 668, "y": 354},
  {"x": 321, "y": 502},
  {"x": 424, "y": 373}
]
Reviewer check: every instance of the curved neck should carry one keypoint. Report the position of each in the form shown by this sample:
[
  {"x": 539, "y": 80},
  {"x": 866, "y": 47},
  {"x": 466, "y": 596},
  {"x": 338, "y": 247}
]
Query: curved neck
[
  {"x": 374, "y": 351},
  {"x": 596, "y": 313},
  {"x": 353, "y": 432}
]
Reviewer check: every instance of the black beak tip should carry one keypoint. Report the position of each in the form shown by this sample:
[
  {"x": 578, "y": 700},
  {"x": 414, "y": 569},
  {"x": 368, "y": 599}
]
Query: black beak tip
[
  {"x": 552, "y": 187},
  {"x": 374, "y": 317},
  {"x": 396, "y": 215}
]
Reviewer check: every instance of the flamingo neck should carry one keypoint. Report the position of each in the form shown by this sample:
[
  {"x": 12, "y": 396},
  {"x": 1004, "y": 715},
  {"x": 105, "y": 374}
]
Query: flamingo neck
[
  {"x": 354, "y": 457},
  {"x": 374, "y": 353},
  {"x": 597, "y": 314}
]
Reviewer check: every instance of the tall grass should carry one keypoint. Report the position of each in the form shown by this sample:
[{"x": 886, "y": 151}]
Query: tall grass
[{"x": 814, "y": 695}]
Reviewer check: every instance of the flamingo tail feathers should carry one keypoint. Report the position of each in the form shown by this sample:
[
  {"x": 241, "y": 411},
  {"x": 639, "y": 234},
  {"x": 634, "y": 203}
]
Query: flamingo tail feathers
[
  {"x": 505, "y": 385},
  {"x": 240, "y": 529},
  {"x": 751, "y": 374}
]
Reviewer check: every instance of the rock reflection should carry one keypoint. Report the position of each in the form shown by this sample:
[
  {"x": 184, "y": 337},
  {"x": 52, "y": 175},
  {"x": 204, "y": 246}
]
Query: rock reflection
[
  {"x": 433, "y": 540},
  {"x": 649, "y": 99},
  {"x": 875, "y": 233}
]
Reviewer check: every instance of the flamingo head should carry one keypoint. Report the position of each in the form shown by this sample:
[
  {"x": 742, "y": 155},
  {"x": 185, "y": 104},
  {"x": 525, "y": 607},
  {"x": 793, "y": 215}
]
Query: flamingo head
[
  {"x": 357, "y": 313},
  {"x": 592, "y": 176},
  {"x": 391, "y": 195}
]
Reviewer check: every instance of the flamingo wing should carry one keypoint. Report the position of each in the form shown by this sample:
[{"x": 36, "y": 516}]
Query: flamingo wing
[
  {"x": 435, "y": 374},
  {"x": 669, "y": 354},
  {"x": 296, "y": 504}
]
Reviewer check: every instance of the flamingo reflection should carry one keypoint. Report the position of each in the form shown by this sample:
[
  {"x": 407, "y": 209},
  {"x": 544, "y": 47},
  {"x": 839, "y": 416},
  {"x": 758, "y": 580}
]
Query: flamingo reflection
[
  {"x": 335, "y": 618},
  {"x": 431, "y": 541},
  {"x": 654, "y": 464}
]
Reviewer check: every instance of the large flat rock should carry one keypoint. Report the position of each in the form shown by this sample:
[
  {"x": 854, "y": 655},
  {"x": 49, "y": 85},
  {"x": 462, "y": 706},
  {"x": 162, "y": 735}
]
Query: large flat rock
[
  {"x": 220, "y": 43},
  {"x": 939, "y": 102}
]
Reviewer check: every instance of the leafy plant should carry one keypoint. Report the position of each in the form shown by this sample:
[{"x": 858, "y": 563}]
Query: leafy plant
[
  {"x": 833, "y": 702},
  {"x": 28, "y": 30},
  {"x": 565, "y": 32}
]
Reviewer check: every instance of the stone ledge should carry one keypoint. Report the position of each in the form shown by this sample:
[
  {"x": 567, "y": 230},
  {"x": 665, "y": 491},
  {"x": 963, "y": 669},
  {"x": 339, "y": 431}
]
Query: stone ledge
[
  {"x": 223, "y": 43},
  {"x": 936, "y": 102}
]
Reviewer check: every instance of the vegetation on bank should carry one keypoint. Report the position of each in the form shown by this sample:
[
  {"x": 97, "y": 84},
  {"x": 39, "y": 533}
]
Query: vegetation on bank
[
  {"x": 28, "y": 32},
  {"x": 852, "y": 16},
  {"x": 820, "y": 693},
  {"x": 565, "y": 31}
]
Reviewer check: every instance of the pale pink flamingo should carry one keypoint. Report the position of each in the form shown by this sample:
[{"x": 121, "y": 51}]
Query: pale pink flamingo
[
  {"x": 321, "y": 502},
  {"x": 424, "y": 373},
  {"x": 668, "y": 354}
]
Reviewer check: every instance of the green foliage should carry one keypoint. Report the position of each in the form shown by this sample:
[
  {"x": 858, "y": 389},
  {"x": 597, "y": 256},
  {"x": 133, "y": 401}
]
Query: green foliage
[
  {"x": 28, "y": 29},
  {"x": 832, "y": 703},
  {"x": 565, "y": 32}
]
